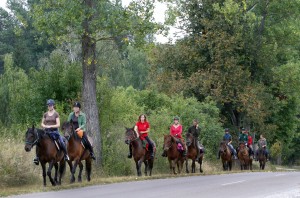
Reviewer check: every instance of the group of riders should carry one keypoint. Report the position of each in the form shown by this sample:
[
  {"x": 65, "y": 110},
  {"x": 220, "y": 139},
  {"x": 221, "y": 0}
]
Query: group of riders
[
  {"x": 51, "y": 124},
  {"x": 142, "y": 129},
  {"x": 246, "y": 139}
]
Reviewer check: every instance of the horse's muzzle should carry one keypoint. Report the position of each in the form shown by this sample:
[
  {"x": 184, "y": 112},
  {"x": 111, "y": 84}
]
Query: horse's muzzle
[{"x": 27, "y": 148}]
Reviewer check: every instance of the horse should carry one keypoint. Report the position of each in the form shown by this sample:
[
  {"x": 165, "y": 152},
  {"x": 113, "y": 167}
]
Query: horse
[
  {"x": 261, "y": 158},
  {"x": 140, "y": 154},
  {"x": 192, "y": 153},
  {"x": 245, "y": 160},
  {"x": 47, "y": 152},
  {"x": 77, "y": 153},
  {"x": 226, "y": 156},
  {"x": 175, "y": 157}
]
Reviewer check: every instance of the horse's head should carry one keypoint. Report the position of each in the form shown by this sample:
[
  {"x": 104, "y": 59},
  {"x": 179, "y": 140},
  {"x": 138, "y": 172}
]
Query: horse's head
[
  {"x": 189, "y": 139},
  {"x": 223, "y": 147},
  {"x": 67, "y": 128},
  {"x": 243, "y": 149},
  {"x": 31, "y": 138},
  {"x": 168, "y": 142},
  {"x": 130, "y": 135}
]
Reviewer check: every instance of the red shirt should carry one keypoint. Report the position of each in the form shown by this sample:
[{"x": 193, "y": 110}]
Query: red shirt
[
  {"x": 176, "y": 131},
  {"x": 250, "y": 141},
  {"x": 143, "y": 126}
]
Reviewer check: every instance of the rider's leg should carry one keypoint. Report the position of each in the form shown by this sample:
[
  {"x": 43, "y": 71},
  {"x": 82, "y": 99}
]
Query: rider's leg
[
  {"x": 151, "y": 146},
  {"x": 233, "y": 151},
  {"x": 198, "y": 150},
  {"x": 88, "y": 144},
  {"x": 63, "y": 147}
]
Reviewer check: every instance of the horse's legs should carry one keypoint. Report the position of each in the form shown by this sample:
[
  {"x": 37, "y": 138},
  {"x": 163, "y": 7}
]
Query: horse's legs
[
  {"x": 138, "y": 167},
  {"x": 88, "y": 168},
  {"x": 44, "y": 172},
  {"x": 72, "y": 180},
  {"x": 200, "y": 163},
  {"x": 62, "y": 168},
  {"x": 146, "y": 166},
  {"x": 193, "y": 166},
  {"x": 56, "y": 172},
  {"x": 150, "y": 166},
  {"x": 187, "y": 166},
  {"x": 80, "y": 171},
  {"x": 49, "y": 173},
  {"x": 229, "y": 165}
]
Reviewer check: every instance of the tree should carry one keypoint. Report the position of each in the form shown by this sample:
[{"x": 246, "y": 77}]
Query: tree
[{"x": 90, "y": 21}]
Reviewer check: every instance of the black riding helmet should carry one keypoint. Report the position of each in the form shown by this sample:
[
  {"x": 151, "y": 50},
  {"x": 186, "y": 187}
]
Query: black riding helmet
[
  {"x": 77, "y": 104},
  {"x": 50, "y": 102}
]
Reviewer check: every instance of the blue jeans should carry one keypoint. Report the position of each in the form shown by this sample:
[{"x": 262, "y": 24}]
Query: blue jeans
[{"x": 232, "y": 149}]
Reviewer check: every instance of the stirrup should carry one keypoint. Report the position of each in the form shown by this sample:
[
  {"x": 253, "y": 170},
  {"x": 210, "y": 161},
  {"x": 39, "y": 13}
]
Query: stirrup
[
  {"x": 36, "y": 161},
  {"x": 93, "y": 156},
  {"x": 67, "y": 158}
]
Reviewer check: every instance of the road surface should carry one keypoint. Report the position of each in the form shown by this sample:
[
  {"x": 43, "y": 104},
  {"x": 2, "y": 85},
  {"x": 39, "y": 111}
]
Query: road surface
[{"x": 245, "y": 185}]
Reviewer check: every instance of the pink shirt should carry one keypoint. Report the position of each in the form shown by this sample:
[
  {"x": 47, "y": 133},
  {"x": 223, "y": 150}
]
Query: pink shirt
[{"x": 176, "y": 131}]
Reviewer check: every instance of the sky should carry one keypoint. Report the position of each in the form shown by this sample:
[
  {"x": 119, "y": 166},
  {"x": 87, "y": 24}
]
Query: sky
[{"x": 159, "y": 16}]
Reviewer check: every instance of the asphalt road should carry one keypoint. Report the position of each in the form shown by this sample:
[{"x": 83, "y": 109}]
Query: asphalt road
[{"x": 245, "y": 185}]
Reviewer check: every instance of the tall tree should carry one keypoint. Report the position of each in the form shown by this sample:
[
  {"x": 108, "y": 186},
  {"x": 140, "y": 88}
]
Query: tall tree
[{"x": 90, "y": 21}]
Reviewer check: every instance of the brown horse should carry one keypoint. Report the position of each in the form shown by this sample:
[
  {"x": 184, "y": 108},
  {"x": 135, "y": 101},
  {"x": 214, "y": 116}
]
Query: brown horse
[
  {"x": 175, "y": 157},
  {"x": 261, "y": 158},
  {"x": 226, "y": 156},
  {"x": 245, "y": 160},
  {"x": 140, "y": 154},
  {"x": 76, "y": 152},
  {"x": 47, "y": 152},
  {"x": 192, "y": 153}
]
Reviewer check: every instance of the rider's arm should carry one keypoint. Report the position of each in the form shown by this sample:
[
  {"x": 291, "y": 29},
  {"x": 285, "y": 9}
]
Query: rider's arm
[{"x": 42, "y": 124}]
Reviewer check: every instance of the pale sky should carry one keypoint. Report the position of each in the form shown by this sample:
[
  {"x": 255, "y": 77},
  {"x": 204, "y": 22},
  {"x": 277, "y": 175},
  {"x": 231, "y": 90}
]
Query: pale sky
[{"x": 159, "y": 16}]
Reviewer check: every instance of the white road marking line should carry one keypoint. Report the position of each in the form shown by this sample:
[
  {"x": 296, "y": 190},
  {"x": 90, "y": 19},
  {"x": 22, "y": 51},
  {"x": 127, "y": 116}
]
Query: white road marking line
[
  {"x": 233, "y": 183},
  {"x": 279, "y": 175}
]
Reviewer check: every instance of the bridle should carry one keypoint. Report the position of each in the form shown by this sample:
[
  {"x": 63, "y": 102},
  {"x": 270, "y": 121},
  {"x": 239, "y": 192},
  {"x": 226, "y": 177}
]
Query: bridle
[
  {"x": 35, "y": 141},
  {"x": 132, "y": 137}
]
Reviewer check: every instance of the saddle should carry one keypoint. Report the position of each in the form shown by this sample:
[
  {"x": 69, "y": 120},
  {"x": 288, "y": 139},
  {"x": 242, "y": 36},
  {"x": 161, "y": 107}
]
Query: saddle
[
  {"x": 55, "y": 138},
  {"x": 146, "y": 144}
]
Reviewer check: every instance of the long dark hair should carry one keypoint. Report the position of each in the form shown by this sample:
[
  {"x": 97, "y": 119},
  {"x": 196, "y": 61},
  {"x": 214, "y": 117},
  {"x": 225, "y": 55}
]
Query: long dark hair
[{"x": 141, "y": 116}]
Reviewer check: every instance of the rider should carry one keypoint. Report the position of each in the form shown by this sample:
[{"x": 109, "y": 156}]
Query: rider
[
  {"x": 142, "y": 127},
  {"x": 51, "y": 123},
  {"x": 79, "y": 122},
  {"x": 243, "y": 138},
  {"x": 262, "y": 143},
  {"x": 228, "y": 139},
  {"x": 195, "y": 131},
  {"x": 176, "y": 131},
  {"x": 250, "y": 143}
]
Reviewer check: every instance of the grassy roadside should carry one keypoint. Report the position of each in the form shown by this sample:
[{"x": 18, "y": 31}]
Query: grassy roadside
[{"x": 20, "y": 176}]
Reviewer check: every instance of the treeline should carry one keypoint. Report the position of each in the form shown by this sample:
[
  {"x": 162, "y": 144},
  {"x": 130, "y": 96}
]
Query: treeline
[{"x": 238, "y": 65}]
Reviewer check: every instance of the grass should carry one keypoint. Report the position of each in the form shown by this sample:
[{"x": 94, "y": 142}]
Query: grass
[{"x": 20, "y": 176}]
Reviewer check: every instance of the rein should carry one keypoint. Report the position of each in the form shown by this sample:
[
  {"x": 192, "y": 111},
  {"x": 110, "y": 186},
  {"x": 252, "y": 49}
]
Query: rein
[{"x": 132, "y": 137}]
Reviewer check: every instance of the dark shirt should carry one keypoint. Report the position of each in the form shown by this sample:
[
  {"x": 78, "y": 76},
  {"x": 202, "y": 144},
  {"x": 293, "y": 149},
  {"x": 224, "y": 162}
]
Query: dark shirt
[
  {"x": 195, "y": 132},
  {"x": 227, "y": 137}
]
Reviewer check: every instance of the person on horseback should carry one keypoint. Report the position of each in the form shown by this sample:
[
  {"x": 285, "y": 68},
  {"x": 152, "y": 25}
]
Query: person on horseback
[
  {"x": 79, "y": 122},
  {"x": 228, "y": 139},
  {"x": 250, "y": 143},
  {"x": 243, "y": 138},
  {"x": 51, "y": 123},
  {"x": 176, "y": 131},
  {"x": 195, "y": 131},
  {"x": 262, "y": 144},
  {"x": 142, "y": 128}
]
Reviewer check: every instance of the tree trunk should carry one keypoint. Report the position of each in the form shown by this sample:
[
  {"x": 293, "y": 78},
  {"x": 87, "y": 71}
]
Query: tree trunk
[{"x": 89, "y": 96}]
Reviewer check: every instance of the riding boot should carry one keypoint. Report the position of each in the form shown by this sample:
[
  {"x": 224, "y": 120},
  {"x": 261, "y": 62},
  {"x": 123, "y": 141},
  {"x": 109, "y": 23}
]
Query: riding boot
[
  {"x": 63, "y": 147},
  {"x": 130, "y": 151},
  {"x": 151, "y": 147},
  {"x": 90, "y": 148}
]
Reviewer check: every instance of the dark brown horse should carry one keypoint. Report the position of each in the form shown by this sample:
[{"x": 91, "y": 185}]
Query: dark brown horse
[
  {"x": 245, "y": 160},
  {"x": 192, "y": 153},
  {"x": 77, "y": 153},
  {"x": 261, "y": 158},
  {"x": 47, "y": 152},
  {"x": 175, "y": 157},
  {"x": 226, "y": 156},
  {"x": 140, "y": 154}
]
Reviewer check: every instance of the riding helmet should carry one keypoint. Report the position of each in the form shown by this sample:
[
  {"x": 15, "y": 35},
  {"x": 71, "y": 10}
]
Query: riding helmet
[
  {"x": 226, "y": 130},
  {"x": 176, "y": 118},
  {"x": 50, "y": 102},
  {"x": 77, "y": 104}
]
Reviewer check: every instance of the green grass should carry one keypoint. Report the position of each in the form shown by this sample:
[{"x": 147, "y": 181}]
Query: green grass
[{"x": 20, "y": 176}]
